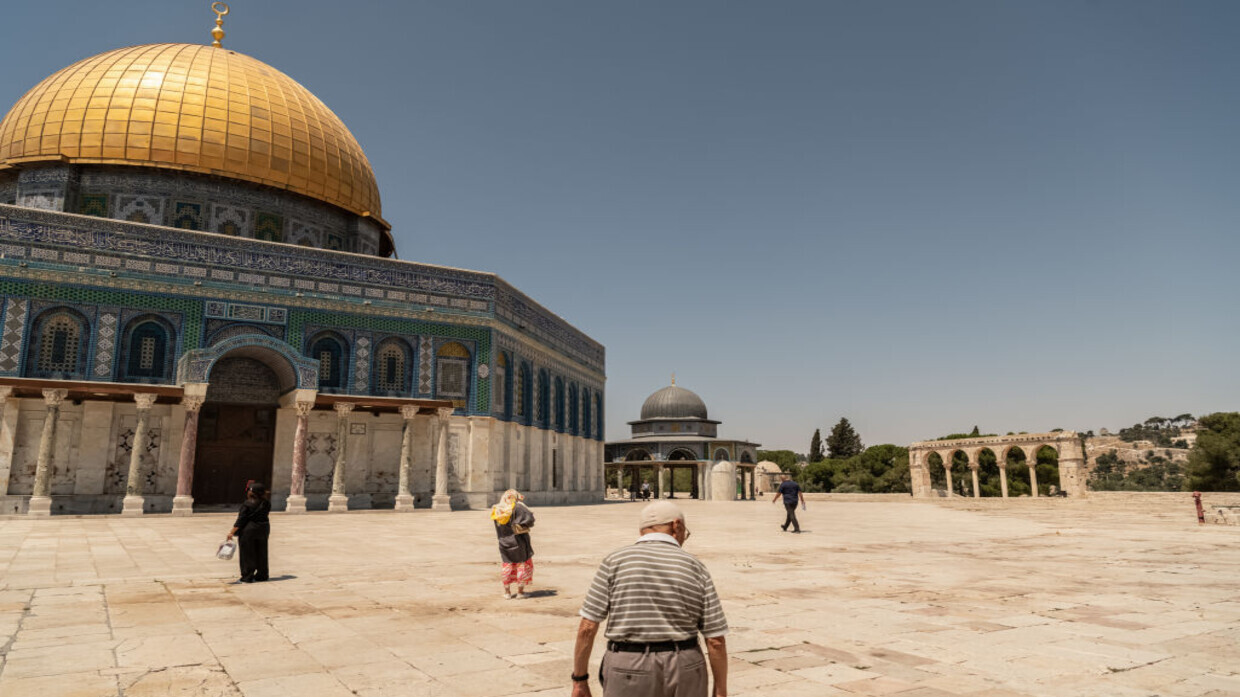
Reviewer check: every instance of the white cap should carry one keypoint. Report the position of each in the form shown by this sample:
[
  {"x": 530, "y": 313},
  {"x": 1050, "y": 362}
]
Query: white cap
[{"x": 660, "y": 512}]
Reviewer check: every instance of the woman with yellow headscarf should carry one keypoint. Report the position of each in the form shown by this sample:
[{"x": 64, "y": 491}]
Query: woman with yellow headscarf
[{"x": 513, "y": 520}]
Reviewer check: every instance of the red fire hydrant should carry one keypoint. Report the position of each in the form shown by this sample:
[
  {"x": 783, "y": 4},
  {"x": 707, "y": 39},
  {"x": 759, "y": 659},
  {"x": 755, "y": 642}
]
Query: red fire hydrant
[{"x": 1201, "y": 514}]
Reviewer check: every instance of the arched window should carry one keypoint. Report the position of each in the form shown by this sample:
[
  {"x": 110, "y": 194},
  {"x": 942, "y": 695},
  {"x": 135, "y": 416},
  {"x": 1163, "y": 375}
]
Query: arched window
[
  {"x": 147, "y": 350},
  {"x": 59, "y": 349},
  {"x": 391, "y": 373},
  {"x": 559, "y": 404},
  {"x": 586, "y": 431},
  {"x": 544, "y": 400},
  {"x": 499, "y": 386},
  {"x": 598, "y": 416},
  {"x": 523, "y": 391},
  {"x": 329, "y": 350},
  {"x": 452, "y": 373},
  {"x": 573, "y": 406}
]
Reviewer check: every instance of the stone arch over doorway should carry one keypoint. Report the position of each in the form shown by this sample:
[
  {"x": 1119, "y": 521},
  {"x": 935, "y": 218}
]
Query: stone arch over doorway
[
  {"x": 1070, "y": 462},
  {"x": 245, "y": 378},
  {"x": 293, "y": 370}
]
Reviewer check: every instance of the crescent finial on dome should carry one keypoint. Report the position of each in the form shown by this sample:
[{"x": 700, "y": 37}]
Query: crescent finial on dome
[{"x": 220, "y": 9}]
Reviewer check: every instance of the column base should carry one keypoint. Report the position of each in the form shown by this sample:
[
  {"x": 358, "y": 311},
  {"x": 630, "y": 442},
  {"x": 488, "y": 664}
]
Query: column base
[
  {"x": 404, "y": 502},
  {"x": 132, "y": 505},
  {"x": 39, "y": 507},
  {"x": 337, "y": 503},
  {"x": 441, "y": 502},
  {"x": 295, "y": 504},
  {"x": 182, "y": 505}
]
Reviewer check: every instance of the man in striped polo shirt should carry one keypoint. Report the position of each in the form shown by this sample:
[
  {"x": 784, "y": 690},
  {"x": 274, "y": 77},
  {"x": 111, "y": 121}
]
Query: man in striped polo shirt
[{"x": 656, "y": 597}]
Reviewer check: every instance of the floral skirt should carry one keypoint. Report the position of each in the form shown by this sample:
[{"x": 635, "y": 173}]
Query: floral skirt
[{"x": 520, "y": 573}]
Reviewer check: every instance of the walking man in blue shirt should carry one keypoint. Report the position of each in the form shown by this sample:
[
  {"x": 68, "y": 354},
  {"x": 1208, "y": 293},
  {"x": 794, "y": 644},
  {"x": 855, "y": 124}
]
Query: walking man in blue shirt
[{"x": 791, "y": 492}]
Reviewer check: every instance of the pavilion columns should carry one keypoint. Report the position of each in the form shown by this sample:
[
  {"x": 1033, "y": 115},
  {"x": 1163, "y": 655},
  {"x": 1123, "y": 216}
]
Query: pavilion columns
[
  {"x": 41, "y": 498},
  {"x": 183, "y": 502},
  {"x": 947, "y": 472},
  {"x": 1033, "y": 476},
  {"x": 296, "y": 502},
  {"x": 134, "y": 499},
  {"x": 339, "y": 500},
  {"x": 404, "y": 493},
  {"x": 658, "y": 481},
  {"x": 753, "y": 483},
  {"x": 1003, "y": 478},
  {"x": 974, "y": 465},
  {"x": 442, "y": 501}
]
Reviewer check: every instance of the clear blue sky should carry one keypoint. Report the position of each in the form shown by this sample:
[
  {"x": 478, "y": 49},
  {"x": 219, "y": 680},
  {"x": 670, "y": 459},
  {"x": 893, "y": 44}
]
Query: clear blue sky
[{"x": 922, "y": 216}]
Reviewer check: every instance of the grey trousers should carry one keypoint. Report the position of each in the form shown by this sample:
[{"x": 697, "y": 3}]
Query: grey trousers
[{"x": 656, "y": 674}]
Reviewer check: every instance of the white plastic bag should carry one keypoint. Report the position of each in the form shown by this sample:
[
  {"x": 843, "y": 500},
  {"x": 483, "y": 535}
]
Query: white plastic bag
[{"x": 226, "y": 551}]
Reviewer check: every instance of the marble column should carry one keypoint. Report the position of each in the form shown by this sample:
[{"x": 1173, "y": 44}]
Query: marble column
[
  {"x": 973, "y": 467},
  {"x": 1033, "y": 477},
  {"x": 1003, "y": 479},
  {"x": 6, "y": 439},
  {"x": 339, "y": 500},
  {"x": 41, "y": 498},
  {"x": 947, "y": 472},
  {"x": 753, "y": 483},
  {"x": 442, "y": 501},
  {"x": 658, "y": 481},
  {"x": 134, "y": 499},
  {"x": 404, "y": 495},
  {"x": 296, "y": 502},
  {"x": 183, "y": 502}
]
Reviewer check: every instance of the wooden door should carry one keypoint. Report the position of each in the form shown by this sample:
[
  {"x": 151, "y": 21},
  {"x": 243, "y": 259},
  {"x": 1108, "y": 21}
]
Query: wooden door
[{"x": 235, "y": 444}]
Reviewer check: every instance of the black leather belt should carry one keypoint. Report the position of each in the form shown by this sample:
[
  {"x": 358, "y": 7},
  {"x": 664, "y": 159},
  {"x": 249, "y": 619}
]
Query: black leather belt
[{"x": 652, "y": 647}]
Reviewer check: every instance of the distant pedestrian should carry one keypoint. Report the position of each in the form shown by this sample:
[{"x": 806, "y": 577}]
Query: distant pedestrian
[
  {"x": 790, "y": 491},
  {"x": 253, "y": 526},
  {"x": 656, "y": 598},
  {"x": 645, "y": 490},
  {"x": 513, "y": 520}
]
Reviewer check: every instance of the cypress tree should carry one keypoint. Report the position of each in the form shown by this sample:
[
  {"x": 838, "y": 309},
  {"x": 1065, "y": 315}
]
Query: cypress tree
[
  {"x": 815, "y": 447},
  {"x": 843, "y": 442}
]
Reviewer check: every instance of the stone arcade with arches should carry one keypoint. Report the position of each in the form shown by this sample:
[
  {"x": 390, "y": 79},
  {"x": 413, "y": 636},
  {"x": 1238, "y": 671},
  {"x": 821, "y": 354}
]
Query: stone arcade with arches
[
  {"x": 197, "y": 288},
  {"x": 926, "y": 457},
  {"x": 674, "y": 439}
]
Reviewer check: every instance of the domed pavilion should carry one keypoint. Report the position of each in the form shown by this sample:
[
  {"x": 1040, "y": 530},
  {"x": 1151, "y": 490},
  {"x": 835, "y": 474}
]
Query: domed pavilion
[
  {"x": 199, "y": 289},
  {"x": 675, "y": 448}
]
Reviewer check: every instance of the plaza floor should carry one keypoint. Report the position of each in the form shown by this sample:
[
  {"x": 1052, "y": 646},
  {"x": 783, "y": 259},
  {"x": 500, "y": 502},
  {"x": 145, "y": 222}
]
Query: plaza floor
[{"x": 876, "y": 598}]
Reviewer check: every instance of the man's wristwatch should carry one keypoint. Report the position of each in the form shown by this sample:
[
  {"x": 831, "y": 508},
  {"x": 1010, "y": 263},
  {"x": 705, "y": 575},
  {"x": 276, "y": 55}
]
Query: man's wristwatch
[{"x": 581, "y": 678}]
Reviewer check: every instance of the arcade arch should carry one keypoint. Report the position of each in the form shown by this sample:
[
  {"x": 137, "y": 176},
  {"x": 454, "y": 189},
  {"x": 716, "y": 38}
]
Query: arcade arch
[{"x": 1023, "y": 464}]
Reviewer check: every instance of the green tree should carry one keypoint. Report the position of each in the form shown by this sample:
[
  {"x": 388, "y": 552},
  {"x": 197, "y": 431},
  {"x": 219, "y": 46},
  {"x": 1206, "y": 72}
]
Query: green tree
[
  {"x": 975, "y": 433},
  {"x": 843, "y": 442},
  {"x": 1214, "y": 464},
  {"x": 786, "y": 459},
  {"x": 815, "y": 447}
]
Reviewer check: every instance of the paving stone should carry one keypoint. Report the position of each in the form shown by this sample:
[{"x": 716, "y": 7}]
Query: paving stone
[{"x": 1043, "y": 599}]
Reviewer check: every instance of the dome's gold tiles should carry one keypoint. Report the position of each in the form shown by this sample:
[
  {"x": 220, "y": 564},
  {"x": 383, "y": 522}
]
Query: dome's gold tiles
[{"x": 194, "y": 108}]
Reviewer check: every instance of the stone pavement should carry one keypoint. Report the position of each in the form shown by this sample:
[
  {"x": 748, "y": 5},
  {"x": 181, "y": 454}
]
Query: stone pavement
[{"x": 878, "y": 598}]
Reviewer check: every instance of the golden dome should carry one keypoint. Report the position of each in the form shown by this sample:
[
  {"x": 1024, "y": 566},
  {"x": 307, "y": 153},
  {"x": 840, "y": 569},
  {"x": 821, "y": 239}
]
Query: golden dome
[{"x": 195, "y": 109}]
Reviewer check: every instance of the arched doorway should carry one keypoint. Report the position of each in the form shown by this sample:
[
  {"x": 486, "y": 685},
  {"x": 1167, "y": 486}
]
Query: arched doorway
[{"x": 236, "y": 429}]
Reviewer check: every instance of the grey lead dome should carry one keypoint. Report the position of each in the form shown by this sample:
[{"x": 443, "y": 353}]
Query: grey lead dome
[{"x": 673, "y": 402}]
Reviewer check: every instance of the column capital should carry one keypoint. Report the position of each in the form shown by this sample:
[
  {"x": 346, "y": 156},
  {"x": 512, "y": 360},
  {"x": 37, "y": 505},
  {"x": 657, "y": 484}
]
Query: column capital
[
  {"x": 343, "y": 408},
  {"x": 303, "y": 408},
  {"x": 192, "y": 403},
  {"x": 975, "y": 466},
  {"x": 145, "y": 400},
  {"x": 445, "y": 412},
  {"x": 53, "y": 397},
  {"x": 408, "y": 411}
]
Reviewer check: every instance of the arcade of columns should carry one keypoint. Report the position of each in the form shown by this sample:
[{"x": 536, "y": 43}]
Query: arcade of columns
[
  {"x": 1066, "y": 443},
  {"x": 746, "y": 472},
  {"x": 192, "y": 401}
]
